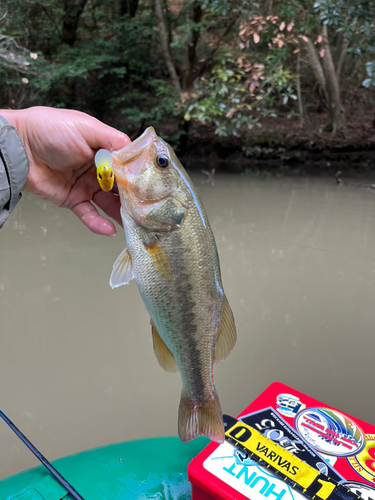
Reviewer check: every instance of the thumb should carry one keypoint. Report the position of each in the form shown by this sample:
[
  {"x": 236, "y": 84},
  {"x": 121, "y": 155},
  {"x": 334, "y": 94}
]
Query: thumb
[
  {"x": 98, "y": 134},
  {"x": 117, "y": 139}
]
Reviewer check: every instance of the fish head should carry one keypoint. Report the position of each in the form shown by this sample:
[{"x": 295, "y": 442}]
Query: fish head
[{"x": 148, "y": 176}]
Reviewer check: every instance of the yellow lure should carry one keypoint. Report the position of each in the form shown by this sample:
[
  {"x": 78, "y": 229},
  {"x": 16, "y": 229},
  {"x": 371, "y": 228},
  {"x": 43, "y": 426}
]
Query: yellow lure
[{"x": 104, "y": 170}]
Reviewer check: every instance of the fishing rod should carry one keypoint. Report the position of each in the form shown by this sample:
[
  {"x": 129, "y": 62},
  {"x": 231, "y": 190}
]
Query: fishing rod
[{"x": 69, "y": 488}]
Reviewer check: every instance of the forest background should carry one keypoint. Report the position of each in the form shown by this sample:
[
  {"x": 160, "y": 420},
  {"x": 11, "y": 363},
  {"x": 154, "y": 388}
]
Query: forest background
[{"x": 225, "y": 79}]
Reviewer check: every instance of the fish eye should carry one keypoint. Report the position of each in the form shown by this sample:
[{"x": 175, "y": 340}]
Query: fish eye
[
  {"x": 162, "y": 161},
  {"x": 100, "y": 176}
]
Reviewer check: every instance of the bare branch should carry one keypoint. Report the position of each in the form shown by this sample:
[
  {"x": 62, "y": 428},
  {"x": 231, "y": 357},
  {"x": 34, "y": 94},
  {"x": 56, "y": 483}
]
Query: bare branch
[{"x": 14, "y": 56}]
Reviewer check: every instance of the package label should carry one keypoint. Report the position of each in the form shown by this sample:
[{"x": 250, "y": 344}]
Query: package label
[
  {"x": 244, "y": 475},
  {"x": 289, "y": 405},
  {"x": 336, "y": 445},
  {"x": 364, "y": 462},
  {"x": 330, "y": 431},
  {"x": 365, "y": 491},
  {"x": 273, "y": 427}
]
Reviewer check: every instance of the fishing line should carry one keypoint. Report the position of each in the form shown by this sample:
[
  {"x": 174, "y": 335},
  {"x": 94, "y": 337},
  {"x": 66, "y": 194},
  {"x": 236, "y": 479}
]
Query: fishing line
[{"x": 292, "y": 242}]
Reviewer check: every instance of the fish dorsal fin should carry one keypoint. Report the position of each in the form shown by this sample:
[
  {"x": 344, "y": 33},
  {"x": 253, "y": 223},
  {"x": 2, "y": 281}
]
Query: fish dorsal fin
[
  {"x": 227, "y": 335},
  {"x": 159, "y": 258},
  {"x": 122, "y": 271},
  {"x": 162, "y": 353}
]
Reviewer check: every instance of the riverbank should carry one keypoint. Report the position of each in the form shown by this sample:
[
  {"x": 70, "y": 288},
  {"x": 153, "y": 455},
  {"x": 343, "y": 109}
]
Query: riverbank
[
  {"x": 281, "y": 142},
  {"x": 350, "y": 151}
]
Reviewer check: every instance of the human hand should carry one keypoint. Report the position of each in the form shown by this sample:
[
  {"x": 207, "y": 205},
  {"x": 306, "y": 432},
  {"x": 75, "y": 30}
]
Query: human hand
[{"x": 61, "y": 146}]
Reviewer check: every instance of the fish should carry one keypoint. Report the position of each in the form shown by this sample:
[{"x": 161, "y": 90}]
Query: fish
[
  {"x": 104, "y": 170},
  {"x": 172, "y": 255}
]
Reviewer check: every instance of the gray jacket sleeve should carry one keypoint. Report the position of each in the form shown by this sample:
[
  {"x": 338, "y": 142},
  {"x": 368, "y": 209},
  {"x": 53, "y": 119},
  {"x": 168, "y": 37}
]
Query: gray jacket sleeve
[{"x": 14, "y": 168}]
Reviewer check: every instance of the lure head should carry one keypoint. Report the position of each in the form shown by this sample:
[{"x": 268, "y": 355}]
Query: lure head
[{"x": 104, "y": 170}]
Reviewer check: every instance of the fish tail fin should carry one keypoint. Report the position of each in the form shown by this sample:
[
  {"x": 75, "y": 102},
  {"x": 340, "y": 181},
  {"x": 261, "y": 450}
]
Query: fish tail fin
[{"x": 195, "y": 420}]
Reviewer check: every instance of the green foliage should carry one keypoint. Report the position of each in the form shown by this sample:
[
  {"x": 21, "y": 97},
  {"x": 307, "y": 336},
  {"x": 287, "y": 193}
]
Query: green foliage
[
  {"x": 346, "y": 16},
  {"x": 235, "y": 95},
  {"x": 242, "y": 62},
  {"x": 370, "y": 80}
]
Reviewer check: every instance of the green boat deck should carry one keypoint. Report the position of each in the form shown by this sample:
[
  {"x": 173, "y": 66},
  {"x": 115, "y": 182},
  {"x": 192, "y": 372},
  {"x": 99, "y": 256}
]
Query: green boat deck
[{"x": 143, "y": 469}]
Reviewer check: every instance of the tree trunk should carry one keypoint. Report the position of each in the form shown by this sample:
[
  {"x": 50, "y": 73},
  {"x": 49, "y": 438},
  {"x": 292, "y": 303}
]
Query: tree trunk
[
  {"x": 129, "y": 7},
  {"x": 183, "y": 143},
  {"x": 335, "y": 109},
  {"x": 299, "y": 93},
  {"x": 73, "y": 10},
  {"x": 327, "y": 79},
  {"x": 316, "y": 67},
  {"x": 163, "y": 33},
  {"x": 192, "y": 48},
  {"x": 340, "y": 63},
  {"x": 269, "y": 6}
]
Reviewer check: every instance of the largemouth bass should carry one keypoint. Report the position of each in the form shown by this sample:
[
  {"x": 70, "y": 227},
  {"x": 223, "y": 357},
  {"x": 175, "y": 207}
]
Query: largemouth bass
[{"x": 172, "y": 255}]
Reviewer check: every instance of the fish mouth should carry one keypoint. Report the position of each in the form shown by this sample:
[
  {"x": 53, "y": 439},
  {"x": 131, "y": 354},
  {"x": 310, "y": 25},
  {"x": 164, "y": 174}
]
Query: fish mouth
[
  {"x": 132, "y": 159},
  {"x": 135, "y": 149}
]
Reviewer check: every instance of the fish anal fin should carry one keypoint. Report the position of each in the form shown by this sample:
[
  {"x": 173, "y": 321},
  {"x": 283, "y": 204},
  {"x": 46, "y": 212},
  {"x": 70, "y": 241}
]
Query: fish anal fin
[
  {"x": 159, "y": 258},
  {"x": 122, "y": 271},
  {"x": 227, "y": 333},
  {"x": 195, "y": 420},
  {"x": 162, "y": 353}
]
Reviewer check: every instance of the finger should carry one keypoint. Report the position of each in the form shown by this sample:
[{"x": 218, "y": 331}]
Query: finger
[
  {"x": 88, "y": 214},
  {"x": 109, "y": 203},
  {"x": 98, "y": 135}
]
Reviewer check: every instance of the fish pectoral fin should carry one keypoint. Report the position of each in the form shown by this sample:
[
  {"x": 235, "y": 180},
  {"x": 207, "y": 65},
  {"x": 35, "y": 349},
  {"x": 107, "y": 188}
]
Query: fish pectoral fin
[
  {"x": 162, "y": 353},
  {"x": 227, "y": 335},
  {"x": 159, "y": 258},
  {"x": 122, "y": 271}
]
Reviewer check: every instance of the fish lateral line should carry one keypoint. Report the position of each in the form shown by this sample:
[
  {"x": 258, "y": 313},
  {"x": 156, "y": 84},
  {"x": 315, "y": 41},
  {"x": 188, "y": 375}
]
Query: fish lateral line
[{"x": 286, "y": 466}]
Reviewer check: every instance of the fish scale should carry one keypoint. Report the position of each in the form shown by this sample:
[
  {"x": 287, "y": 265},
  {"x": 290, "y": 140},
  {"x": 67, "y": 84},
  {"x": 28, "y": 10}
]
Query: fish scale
[{"x": 177, "y": 308}]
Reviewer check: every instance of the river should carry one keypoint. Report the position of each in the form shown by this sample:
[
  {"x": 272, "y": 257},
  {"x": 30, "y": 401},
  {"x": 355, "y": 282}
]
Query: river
[{"x": 77, "y": 367}]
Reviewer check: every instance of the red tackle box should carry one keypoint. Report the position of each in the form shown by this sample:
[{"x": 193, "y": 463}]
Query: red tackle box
[{"x": 335, "y": 443}]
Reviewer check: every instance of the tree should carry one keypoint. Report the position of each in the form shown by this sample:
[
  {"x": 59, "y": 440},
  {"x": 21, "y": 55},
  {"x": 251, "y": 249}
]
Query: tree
[
  {"x": 73, "y": 10},
  {"x": 228, "y": 64},
  {"x": 129, "y": 7}
]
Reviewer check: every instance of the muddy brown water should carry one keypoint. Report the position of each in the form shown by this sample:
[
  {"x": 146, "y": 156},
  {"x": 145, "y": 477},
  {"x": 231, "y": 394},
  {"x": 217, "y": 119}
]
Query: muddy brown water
[{"x": 77, "y": 369}]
